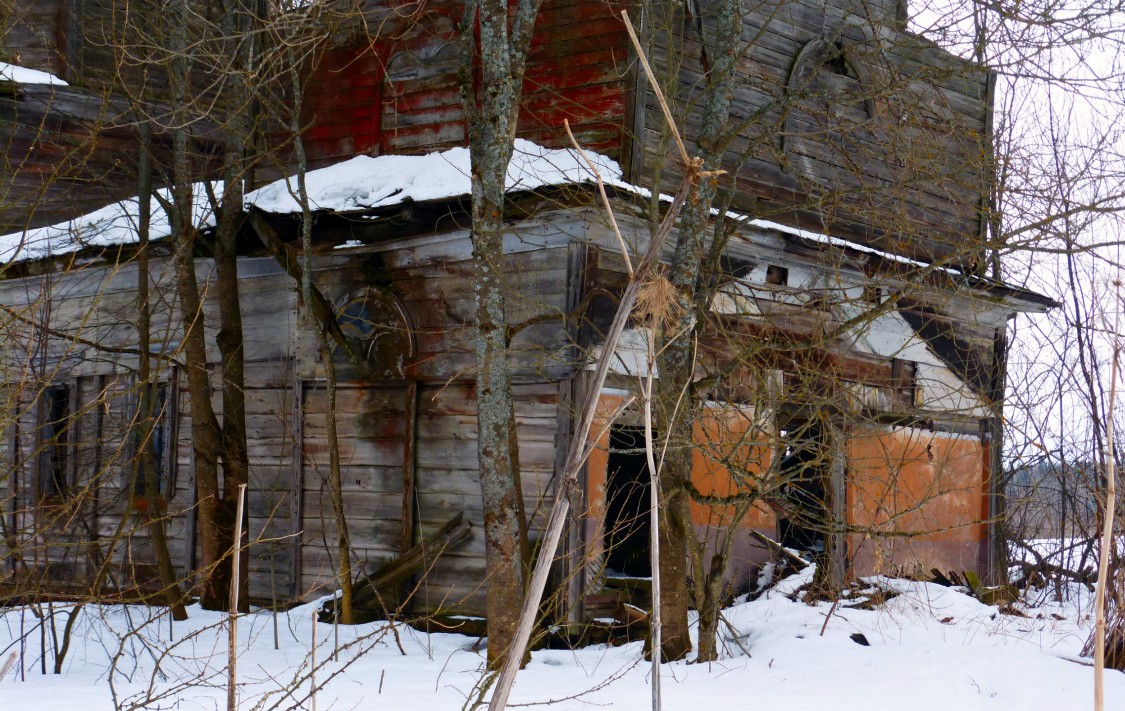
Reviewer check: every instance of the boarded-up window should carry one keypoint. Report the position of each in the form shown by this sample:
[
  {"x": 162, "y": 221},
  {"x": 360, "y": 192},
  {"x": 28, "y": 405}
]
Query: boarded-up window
[
  {"x": 161, "y": 415},
  {"x": 54, "y": 443}
]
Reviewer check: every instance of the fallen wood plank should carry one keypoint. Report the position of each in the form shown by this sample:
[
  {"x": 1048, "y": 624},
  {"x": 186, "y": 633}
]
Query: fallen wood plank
[
  {"x": 373, "y": 587},
  {"x": 777, "y": 549}
]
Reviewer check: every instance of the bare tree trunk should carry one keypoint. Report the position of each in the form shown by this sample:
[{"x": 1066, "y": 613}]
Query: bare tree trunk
[
  {"x": 491, "y": 112},
  {"x": 214, "y": 532},
  {"x": 674, "y": 395},
  {"x": 344, "y": 574},
  {"x": 229, "y": 218},
  {"x": 146, "y": 461}
]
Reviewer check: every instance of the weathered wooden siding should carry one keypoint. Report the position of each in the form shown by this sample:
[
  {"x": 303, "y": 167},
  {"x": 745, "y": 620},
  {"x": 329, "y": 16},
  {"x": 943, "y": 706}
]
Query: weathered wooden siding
[
  {"x": 64, "y": 152},
  {"x": 290, "y": 517},
  {"x": 432, "y": 276},
  {"x": 66, "y": 541},
  {"x": 447, "y": 481},
  {"x": 32, "y": 34},
  {"x": 272, "y": 495},
  {"x": 886, "y": 142},
  {"x": 98, "y": 304},
  {"x": 397, "y": 92},
  {"x": 371, "y": 428}
]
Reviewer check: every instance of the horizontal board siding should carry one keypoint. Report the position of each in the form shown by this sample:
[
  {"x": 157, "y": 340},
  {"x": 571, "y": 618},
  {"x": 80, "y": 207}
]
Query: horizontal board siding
[
  {"x": 271, "y": 499},
  {"x": 399, "y": 92},
  {"x": 371, "y": 422},
  {"x": 370, "y": 428},
  {"x": 914, "y": 167}
]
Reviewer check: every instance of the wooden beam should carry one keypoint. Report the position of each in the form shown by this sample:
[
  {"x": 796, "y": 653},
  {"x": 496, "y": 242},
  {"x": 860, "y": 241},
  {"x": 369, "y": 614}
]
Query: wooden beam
[
  {"x": 288, "y": 257},
  {"x": 409, "y": 466},
  {"x": 371, "y": 587}
]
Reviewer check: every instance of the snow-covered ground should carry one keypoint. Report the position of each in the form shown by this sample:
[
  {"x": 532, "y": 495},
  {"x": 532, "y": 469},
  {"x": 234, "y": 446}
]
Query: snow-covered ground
[{"x": 930, "y": 648}]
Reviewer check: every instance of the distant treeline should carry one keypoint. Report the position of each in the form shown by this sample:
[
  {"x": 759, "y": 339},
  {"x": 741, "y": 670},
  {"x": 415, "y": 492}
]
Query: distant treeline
[{"x": 1051, "y": 498}]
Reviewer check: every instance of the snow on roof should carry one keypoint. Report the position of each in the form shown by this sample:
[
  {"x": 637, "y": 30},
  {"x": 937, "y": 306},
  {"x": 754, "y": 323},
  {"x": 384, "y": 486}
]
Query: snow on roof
[
  {"x": 23, "y": 75},
  {"x": 361, "y": 183},
  {"x": 831, "y": 241},
  {"x": 114, "y": 224},
  {"x": 364, "y": 183}
]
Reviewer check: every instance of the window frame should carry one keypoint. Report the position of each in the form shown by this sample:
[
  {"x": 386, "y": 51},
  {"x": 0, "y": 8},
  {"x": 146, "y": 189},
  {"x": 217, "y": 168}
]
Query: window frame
[
  {"x": 54, "y": 460},
  {"x": 165, "y": 423}
]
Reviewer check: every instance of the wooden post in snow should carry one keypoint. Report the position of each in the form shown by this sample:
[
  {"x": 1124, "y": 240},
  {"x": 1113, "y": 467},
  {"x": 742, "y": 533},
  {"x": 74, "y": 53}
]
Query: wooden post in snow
[
  {"x": 312, "y": 664},
  {"x": 232, "y": 649},
  {"x": 1107, "y": 526}
]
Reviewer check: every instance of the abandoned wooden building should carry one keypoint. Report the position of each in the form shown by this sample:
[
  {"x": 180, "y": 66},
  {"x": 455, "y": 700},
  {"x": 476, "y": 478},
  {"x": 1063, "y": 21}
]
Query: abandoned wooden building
[{"x": 852, "y": 351}]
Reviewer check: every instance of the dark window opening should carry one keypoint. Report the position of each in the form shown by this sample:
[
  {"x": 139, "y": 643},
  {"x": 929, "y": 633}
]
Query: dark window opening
[
  {"x": 377, "y": 330},
  {"x": 778, "y": 276},
  {"x": 904, "y": 373},
  {"x": 627, "y": 492},
  {"x": 837, "y": 61},
  {"x": 54, "y": 437},
  {"x": 158, "y": 444},
  {"x": 805, "y": 467}
]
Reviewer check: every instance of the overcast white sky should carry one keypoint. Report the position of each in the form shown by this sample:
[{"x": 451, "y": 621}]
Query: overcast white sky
[{"x": 1059, "y": 104}]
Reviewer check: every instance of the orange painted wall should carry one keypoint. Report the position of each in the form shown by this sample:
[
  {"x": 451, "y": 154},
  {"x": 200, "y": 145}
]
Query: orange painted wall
[
  {"x": 906, "y": 480},
  {"x": 900, "y": 481},
  {"x": 596, "y": 473},
  {"x": 720, "y": 436},
  {"x": 725, "y": 436}
]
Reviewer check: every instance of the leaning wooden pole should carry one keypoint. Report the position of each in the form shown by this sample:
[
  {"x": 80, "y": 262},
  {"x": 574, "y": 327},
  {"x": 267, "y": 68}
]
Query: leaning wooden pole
[
  {"x": 654, "y": 530},
  {"x": 579, "y": 447},
  {"x": 1107, "y": 524},
  {"x": 576, "y": 456},
  {"x": 232, "y": 649}
]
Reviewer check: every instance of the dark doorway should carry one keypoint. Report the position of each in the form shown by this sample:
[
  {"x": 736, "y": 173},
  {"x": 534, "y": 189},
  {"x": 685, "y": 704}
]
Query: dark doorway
[
  {"x": 627, "y": 492},
  {"x": 804, "y": 470}
]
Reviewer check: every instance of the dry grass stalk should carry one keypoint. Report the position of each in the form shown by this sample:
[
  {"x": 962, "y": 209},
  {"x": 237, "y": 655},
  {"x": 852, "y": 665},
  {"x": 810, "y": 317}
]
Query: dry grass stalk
[{"x": 658, "y": 303}]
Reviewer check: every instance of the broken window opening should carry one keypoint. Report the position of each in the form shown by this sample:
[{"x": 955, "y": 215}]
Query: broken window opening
[
  {"x": 54, "y": 438},
  {"x": 777, "y": 275},
  {"x": 904, "y": 373},
  {"x": 627, "y": 492},
  {"x": 160, "y": 443},
  {"x": 805, "y": 468}
]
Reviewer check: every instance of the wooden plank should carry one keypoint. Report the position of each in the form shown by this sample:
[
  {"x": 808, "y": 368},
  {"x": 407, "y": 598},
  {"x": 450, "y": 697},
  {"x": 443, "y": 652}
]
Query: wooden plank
[
  {"x": 410, "y": 467},
  {"x": 382, "y": 582}
]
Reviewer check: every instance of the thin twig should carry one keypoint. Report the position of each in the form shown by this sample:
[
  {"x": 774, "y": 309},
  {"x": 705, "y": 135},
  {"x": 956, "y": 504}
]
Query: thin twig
[
  {"x": 605, "y": 198},
  {"x": 734, "y": 635},
  {"x": 829, "y": 616}
]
